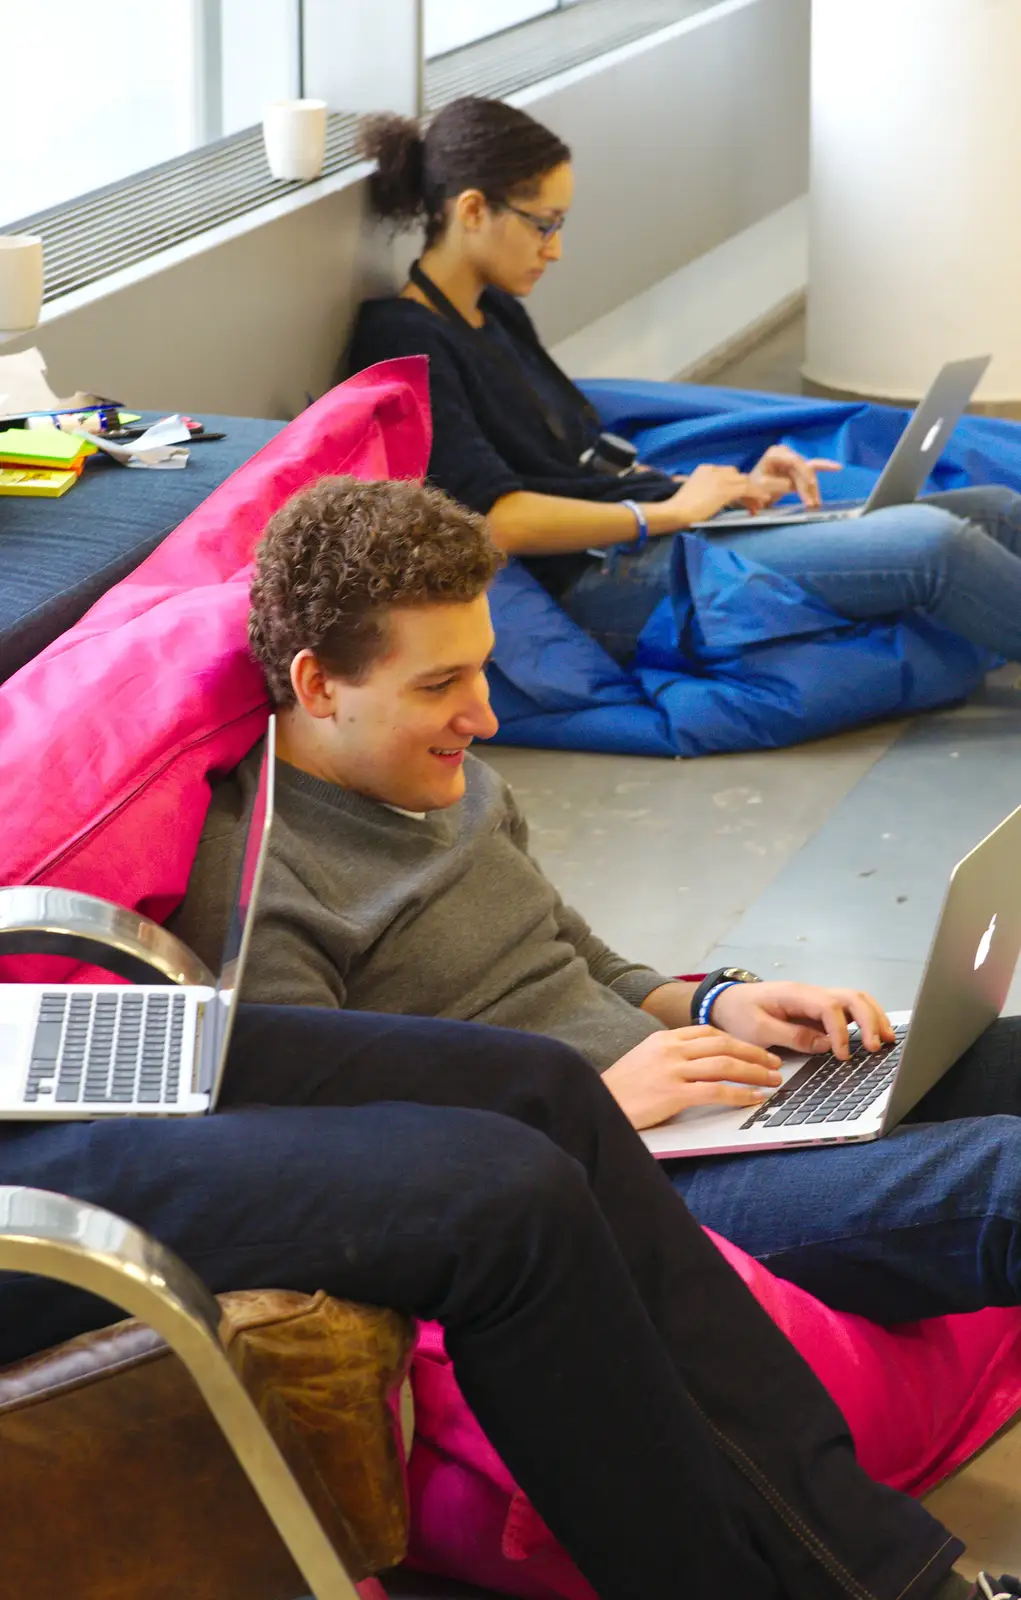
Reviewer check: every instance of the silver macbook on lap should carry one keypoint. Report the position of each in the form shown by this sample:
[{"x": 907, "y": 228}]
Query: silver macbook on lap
[
  {"x": 71, "y": 1051},
  {"x": 823, "y": 1100},
  {"x": 904, "y": 476}
]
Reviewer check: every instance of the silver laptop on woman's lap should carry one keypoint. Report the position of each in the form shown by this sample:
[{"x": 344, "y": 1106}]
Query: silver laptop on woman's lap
[
  {"x": 71, "y": 1051},
  {"x": 964, "y": 986},
  {"x": 902, "y": 479}
]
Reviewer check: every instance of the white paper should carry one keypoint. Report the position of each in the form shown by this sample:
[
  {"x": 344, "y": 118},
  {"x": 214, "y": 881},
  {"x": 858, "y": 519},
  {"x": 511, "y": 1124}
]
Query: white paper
[
  {"x": 23, "y": 383},
  {"x": 165, "y": 456},
  {"x": 24, "y": 387},
  {"x": 157, "y": 446},
  {"x": 169, "y": 430}
]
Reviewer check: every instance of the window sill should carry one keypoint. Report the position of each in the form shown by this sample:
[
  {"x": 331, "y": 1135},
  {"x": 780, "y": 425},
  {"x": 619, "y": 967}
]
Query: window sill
[{"x": 294, "y": 198}]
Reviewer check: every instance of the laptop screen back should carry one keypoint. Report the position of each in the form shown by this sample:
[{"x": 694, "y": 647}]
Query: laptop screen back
[
  {"x": 239, "y": 925},
  {"x": 922, "y": 443}
]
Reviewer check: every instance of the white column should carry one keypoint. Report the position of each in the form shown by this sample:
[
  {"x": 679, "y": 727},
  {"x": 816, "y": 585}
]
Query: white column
[{"x": 915, "y": 215}]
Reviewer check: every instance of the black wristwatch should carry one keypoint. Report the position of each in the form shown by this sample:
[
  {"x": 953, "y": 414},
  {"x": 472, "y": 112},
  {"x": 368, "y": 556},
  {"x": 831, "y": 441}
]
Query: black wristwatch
[{"x": 713, "y": 985}]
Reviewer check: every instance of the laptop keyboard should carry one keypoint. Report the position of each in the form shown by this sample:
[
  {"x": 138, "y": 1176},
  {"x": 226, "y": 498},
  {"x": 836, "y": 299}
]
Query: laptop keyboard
[
  {"x": 779, "y": 516},
  {"x": 827, "y": 1089},
  {"x": 96, "y": 1048}
]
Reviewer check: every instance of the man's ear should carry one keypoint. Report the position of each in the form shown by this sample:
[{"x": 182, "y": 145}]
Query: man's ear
[{"x": 314, "y": 690}]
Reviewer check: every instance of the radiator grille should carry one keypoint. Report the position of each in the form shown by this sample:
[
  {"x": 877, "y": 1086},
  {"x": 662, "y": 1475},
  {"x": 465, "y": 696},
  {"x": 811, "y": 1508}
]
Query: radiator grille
[
  {"x": 509, "y": 61},
  {"x": 114, "y": 227}
]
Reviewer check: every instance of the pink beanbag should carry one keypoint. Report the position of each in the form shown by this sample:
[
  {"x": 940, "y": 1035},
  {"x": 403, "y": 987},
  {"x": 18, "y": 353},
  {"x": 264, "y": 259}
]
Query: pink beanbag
[
  {"x": 110, "y": 737},
  {"x": 919, "y": 1400}
]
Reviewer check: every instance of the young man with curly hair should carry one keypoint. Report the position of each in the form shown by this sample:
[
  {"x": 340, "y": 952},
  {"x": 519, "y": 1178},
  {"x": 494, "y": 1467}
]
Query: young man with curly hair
[
  {"x": 400, "y": 881},
  {"x": 693, "y": 1449},
  {"x": 400, "y": 878}
]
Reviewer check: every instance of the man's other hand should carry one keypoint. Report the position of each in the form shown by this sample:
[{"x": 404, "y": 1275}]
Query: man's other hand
[{"x": 679, "y": 1068}]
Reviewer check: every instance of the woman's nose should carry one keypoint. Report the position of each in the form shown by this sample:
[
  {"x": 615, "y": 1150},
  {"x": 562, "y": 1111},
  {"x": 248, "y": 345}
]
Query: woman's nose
[{"x": 551, "y": 247}]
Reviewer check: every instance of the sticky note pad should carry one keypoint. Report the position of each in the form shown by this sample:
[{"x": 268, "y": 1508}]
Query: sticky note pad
[
  {"x": 26, "y": 481},
  {"x": 40, "y": 447}
]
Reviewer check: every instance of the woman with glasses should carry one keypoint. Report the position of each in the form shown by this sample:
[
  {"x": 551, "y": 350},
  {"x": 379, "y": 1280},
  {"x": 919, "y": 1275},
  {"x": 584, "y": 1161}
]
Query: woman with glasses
[{"x": 515, "y": 440}]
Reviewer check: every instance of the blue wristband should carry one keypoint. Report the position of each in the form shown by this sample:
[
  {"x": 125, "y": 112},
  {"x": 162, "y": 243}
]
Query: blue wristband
[
  {"x": 642, "y": 537},
  {"x": 705, "y": 1009}
]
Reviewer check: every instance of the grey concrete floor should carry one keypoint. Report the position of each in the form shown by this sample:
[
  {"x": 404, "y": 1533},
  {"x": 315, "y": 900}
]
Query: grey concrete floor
[
  {"x": 772, "y": 364},
  {"x": 664, "y": 858},
  {"x": 859, "y": 903}
]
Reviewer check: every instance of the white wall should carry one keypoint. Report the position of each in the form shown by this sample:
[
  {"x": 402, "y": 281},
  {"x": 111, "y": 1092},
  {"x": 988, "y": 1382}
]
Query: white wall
[
  {"x": 915, "y": 227},
  {"x": 682, "y": 142},
  {"x": 678, "y": 146},
  {"x": 704, "y": 313}
]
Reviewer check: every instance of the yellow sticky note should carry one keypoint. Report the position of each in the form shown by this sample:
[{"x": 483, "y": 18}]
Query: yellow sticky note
[{"x": 25, "y": 481}]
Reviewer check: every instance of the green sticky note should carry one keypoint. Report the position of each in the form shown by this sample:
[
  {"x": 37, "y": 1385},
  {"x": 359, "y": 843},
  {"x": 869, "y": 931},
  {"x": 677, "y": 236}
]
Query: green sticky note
[{"x": 40, "y": 447}]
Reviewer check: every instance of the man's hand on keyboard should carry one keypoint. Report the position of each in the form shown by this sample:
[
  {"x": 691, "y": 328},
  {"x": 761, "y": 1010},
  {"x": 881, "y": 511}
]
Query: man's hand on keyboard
[
  {"x": 801, "y": 1016},
  {"x": 672, "y": 1071}
]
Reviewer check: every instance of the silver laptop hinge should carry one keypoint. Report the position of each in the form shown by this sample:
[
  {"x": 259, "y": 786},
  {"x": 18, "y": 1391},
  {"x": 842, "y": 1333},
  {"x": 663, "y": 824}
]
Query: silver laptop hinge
[{"x": 196, "y": 1064}]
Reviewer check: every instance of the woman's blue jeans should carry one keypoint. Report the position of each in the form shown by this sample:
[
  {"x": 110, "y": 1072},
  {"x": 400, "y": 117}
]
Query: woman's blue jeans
[{"x": 955, "y": 556}]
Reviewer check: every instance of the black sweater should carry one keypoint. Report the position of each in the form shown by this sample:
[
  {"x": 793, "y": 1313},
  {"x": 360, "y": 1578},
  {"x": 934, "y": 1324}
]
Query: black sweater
[{"x": 488, "y": 440}]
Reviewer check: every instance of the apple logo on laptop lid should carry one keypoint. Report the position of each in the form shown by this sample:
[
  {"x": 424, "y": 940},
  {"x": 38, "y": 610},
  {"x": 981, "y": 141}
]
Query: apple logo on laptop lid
[
  {"x": 985, "y": 942},
  {"x": 931, "y": 437}
]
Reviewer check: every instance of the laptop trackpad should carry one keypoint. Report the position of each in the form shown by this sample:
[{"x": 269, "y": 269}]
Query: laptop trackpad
[{"x": 12, "y": 1043}]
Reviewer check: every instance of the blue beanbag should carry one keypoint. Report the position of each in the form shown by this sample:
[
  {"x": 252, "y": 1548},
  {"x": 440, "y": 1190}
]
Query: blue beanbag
[{"x": 745, "y": 659}]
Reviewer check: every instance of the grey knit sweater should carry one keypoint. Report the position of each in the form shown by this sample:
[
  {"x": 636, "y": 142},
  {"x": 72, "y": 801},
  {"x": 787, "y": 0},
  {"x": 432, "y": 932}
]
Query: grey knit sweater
[{"x": 442, "y": 916}]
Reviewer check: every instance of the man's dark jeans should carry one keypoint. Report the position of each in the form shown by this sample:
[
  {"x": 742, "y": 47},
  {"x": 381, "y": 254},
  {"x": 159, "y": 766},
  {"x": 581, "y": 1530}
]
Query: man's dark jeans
[{"x": 664, "y": 1427}]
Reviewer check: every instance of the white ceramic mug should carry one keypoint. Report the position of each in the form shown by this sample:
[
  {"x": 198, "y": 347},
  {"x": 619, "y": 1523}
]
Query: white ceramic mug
[
  {"x": 21, "y": 281},
  {"x": 295, "y": 135}
]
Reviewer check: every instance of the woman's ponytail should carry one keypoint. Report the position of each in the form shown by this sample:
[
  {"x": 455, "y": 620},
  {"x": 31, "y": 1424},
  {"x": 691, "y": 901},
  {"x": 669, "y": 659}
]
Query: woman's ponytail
[{"x": 397, "y": 187}]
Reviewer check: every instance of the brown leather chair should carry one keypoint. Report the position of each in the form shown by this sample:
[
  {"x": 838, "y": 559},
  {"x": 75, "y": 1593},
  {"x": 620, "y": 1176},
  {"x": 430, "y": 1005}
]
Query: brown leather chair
[
  {"x": 240, "y": 1450},
  {"x": 244, "y": 1449}
]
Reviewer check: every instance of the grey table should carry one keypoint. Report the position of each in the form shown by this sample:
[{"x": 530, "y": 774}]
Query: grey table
[{"x": 58, "y": 556}]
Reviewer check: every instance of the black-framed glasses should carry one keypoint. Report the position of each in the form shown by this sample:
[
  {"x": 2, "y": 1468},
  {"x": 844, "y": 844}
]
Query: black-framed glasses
[{"x": 546, "y": 230}]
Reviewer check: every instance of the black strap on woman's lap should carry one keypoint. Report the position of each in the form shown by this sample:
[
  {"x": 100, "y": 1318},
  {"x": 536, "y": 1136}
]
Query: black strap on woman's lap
[{"x": 446, "y": 309}]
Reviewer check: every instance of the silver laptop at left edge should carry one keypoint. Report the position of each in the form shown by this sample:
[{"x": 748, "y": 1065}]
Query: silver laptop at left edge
[{"x": 84, "y": 1051}]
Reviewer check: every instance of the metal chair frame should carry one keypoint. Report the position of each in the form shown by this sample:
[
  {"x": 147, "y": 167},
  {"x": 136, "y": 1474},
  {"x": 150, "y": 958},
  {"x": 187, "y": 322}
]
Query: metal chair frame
[
  {"x": 54, "y": 1236},
  {"x": 39, "y": 919}
]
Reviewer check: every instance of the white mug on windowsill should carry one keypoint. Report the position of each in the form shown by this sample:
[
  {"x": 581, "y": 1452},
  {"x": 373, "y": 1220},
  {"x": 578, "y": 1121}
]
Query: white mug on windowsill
[
  {"x": 21, "y": 281},
  {"x": 295, "y": 135}
]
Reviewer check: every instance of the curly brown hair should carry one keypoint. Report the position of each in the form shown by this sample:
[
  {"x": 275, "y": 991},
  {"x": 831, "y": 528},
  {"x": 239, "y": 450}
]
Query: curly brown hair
[{"x": 340, "y": 554}]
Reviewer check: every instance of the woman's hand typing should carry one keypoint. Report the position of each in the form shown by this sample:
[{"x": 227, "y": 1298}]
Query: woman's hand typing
[{"x": 708, "y": 490}]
